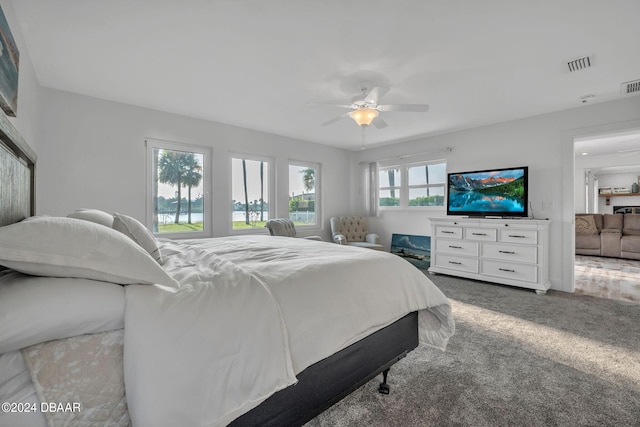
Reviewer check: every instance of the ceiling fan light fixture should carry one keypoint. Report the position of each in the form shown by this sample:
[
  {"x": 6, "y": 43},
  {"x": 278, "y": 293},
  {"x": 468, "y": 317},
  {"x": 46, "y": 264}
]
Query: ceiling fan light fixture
[{"x": 364, "y": 116}]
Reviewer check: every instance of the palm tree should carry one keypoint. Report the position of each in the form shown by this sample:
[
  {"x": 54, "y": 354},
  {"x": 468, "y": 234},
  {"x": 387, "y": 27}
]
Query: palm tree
[
  {"x": 246, "y": 196},
  {"x": 261, "y": 191},
  {"x": 309, "y": 179},
  {"x": 192, "y": 177},
  {"x": 154, "y": 188},
  {"x": 426, "y": 175},
  {"x": 172, "y": 171}
]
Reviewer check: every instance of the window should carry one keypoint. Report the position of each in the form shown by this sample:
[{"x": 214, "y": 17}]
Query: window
[
  {"x": 304, "y": 205},
  {"x": 426, "y": 184},
  {"x": 390, "y": 180},
  {"x": 250, "y": 185},
  {"x": 178, "y": 174},
  {"x": 413, "y": 185}
]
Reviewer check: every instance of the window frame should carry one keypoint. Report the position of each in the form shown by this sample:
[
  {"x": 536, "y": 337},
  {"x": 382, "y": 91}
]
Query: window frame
[
  {"x": 404, "y": 186},
  {"x": 207, "y": 172},
  {"x": 317, "y": 192},
  {"x": 270, "y": 188},
  {"x": 399, "y": 188}
]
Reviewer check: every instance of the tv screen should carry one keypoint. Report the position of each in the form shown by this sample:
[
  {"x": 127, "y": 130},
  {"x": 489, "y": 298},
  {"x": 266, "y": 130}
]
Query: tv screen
[{"x": 495, "y": 192}]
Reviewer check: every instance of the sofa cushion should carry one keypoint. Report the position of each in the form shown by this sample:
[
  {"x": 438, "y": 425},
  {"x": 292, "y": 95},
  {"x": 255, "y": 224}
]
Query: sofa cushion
[
  {"x": 631, "y": 225},
  {"x": 587, "y": 241},
  {"x": 614, "y": 221},
  {"x": 630, "y": 244},
  {"x": 586, "y": 225}
]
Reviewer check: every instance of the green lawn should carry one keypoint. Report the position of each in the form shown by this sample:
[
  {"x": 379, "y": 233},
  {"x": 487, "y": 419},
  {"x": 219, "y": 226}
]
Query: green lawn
[
  {"x": 197, "y": 226},
  {"x": 178, "y": 228},
  {"x": 238, "y": 225}
]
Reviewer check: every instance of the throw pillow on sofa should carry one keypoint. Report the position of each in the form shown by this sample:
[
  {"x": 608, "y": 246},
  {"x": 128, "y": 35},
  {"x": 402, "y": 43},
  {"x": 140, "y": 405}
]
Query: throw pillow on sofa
[{"x": 586, "y": 225}]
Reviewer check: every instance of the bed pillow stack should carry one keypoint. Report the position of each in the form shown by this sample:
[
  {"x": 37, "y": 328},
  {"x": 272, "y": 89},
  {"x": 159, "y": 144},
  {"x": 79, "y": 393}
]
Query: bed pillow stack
[
  {"x": 133, "y": 228},
  {"x": 125, "y": 224},
  {"x": 70, "y": 247},
  {"x": 38, "y": 309},
  {"x": 93, "y": 215}
]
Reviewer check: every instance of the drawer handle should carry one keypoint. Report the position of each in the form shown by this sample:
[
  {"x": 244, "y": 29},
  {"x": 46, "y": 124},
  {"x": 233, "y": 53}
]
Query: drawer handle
[
  {"x": 507, "y": 270},
  {"x": 478, "y": 234},
  {"x": 455, "y": 247},
  {"x": 455, "y": 262},
  {"x": 447, "y": 232},
  {"x": 517, "y": 236},
  {"x": 507, "y": 252}
]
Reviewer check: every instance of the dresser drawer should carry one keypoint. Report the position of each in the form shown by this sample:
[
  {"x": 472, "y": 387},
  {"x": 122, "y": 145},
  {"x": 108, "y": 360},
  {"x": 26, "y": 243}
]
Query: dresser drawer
[
  {"x": 523, "y": 272},
  {"x": 518, "y": 236},
  {"x": 461, "y": 247},
  {"x": 457, "y": 263},
  {"x": 483, "y": 234},
  {"x": 449, "y": 232},
  {"x": 519, "y": 253}
]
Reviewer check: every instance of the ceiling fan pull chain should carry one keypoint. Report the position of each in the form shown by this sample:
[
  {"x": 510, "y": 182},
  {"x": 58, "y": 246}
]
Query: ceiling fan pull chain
[{"x": 363, "y": 128}]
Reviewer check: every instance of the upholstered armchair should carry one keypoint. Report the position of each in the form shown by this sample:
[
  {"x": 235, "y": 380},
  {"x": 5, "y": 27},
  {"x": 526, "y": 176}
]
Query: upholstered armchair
[
  {"x": 285, "y": 227},
  {"x": 354, "y": 231}
]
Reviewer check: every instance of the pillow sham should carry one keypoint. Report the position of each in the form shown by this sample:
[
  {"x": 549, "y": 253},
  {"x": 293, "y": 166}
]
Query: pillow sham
[
  {"x": 133, "y": 228},
  {"x": 69, "y": 247},
  {"x": 93, "y": 215},
  {"x": 37, "y": 309}
]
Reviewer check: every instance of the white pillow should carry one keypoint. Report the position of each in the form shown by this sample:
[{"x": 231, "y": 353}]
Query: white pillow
[
  {"x": 69, "y": 247},
  {"x": 138, "y": 233},
  {"x": 93, "y": 215},
  {"x": 38, "y": 309}
]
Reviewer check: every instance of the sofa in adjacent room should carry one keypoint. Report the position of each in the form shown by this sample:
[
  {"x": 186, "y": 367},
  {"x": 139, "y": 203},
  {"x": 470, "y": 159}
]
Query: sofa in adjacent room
[{"x": 610, "y": 235}]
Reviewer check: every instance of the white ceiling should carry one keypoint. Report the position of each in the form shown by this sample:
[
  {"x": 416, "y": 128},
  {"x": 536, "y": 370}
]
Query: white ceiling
[
  {"x": 622, "y": 144},
  {"x": 256, "y": 63}
]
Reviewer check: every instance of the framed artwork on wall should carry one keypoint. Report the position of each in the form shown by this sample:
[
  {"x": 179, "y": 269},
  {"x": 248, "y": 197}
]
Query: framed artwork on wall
[{"x": 9, "y": 65}]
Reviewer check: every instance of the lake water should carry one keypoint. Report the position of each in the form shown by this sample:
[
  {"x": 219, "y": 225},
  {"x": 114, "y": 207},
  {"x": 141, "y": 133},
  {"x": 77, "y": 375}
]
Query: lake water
[{"x": 484, "y": 202}]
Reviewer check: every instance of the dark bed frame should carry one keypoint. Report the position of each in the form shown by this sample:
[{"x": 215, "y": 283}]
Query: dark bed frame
[{"x": 319, "y": 386}]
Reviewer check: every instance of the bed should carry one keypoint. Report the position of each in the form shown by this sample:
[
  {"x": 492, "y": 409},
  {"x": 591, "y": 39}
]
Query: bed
[{"x": 101, "y": 323}]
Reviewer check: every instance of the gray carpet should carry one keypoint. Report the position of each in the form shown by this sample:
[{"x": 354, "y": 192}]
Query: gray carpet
[{"x": 517, "y": 359}]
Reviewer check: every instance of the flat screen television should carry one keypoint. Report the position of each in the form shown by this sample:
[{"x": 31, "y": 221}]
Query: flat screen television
[{"x": 493, "y": 192}]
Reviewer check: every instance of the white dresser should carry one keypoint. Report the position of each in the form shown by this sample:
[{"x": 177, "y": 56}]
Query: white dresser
[{"x": 508, "y": 251}]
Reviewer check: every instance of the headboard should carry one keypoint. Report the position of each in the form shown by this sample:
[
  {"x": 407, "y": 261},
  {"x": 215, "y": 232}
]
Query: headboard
[{"x": 17, "y": 175}]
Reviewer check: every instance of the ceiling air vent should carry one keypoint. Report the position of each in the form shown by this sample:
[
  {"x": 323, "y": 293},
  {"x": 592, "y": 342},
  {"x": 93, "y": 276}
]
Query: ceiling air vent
[
  {"x": 579, "y": 64},
  {"x": 630, "y": 88}
]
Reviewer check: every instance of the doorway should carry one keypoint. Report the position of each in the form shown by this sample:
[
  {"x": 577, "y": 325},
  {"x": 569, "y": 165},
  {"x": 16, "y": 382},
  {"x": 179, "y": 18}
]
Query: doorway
[{"x": 607, "y": 175}]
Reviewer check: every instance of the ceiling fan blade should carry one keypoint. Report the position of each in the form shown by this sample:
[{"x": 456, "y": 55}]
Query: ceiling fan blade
[
  {"x": 404, "y": 107},
  {"x": 379, "y": 123},
  {"x": 335, "y": 119},
  {"x": 375, "y": 94},
  {"x": 327, "y": 104}
]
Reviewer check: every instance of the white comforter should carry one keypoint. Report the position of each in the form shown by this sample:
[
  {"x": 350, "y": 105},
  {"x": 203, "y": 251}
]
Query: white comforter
[{"x": 252, "y": 312}]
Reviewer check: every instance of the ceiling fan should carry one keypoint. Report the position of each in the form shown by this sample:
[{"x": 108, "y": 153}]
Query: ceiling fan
[{"x": 365, "y": 108}]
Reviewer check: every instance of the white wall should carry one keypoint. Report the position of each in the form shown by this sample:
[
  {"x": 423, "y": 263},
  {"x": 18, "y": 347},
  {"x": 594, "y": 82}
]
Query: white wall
[
  {"x": 93, "y": 155},
  {"x": 544, "y": 143},
  {"x": 27, "y": 120}
]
